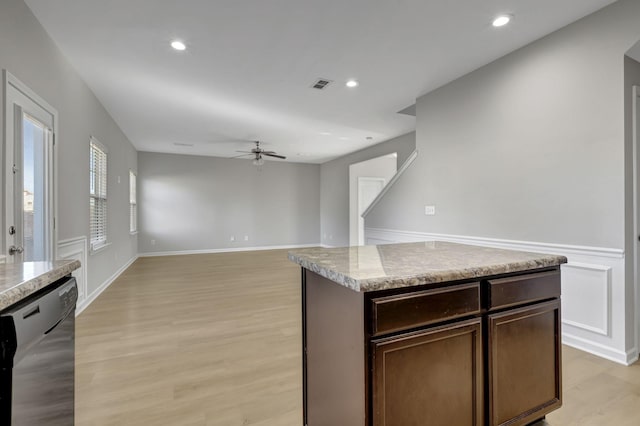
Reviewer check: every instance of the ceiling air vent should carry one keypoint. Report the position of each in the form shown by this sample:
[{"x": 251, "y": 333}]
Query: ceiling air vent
[{"x": 321, "y": 83}]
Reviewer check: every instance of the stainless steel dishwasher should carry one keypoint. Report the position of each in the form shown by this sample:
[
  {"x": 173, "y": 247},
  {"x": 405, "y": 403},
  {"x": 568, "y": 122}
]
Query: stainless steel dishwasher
[{"x": 37, "y": 339}]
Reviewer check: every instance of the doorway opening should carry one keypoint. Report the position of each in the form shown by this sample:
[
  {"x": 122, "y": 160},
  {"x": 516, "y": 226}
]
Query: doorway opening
[
  {"x": 366, "y": 180},
  {"x": 29, "y": 174}
]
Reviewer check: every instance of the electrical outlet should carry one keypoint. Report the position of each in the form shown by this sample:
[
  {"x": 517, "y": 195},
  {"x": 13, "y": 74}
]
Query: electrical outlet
[
  {"x": 232, "y": 238},
  {"x": 430, "y": 210},
  {"x": 246, "y": 238},
  {"x": 118, "y": 179},
  {"x": 153, "y": 242}
]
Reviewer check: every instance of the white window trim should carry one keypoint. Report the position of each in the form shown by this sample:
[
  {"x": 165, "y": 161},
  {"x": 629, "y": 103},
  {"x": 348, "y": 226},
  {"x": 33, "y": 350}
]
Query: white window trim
[{"x": 97, "y": 246}]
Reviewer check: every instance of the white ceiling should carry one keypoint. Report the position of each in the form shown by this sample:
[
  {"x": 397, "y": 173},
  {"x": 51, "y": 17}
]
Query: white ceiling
[{"x": 249, "y": 64}]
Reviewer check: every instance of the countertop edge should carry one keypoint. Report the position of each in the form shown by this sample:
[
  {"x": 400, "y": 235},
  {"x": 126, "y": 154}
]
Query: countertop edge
[
  {"x": 24, "y": 289},
  {"x": 400, "y": 281}
]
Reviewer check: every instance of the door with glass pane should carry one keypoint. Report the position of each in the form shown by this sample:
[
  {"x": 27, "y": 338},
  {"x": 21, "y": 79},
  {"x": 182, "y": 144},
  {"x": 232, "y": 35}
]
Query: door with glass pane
[{"x": 29, "y": 225}]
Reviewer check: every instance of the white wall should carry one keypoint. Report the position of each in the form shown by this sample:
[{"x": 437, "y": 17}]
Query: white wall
[
  {"x": 382, "y": 167},
  {"x": 190, "y": 203},
  {"x": 531, "y": 149},
  {"x": 334, "y": 186},
  {"x": 28, "y": 53}
]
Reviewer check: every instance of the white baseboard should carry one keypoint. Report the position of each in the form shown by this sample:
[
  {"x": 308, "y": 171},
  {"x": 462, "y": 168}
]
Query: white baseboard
[
  {"x": 225, "y": 250},
  {"x": 594, "y": 312},
  {"x": 621, "y": 357},
  {"x": 97, "y": 292}
]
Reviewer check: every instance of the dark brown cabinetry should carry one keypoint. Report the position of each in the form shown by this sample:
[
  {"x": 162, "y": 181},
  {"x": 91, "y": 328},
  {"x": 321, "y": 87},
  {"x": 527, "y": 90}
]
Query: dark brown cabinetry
[
  {"x": 524, "y": 363},
  {"x": 474, "y": 352},
  {"x": 431, "y": 377}
]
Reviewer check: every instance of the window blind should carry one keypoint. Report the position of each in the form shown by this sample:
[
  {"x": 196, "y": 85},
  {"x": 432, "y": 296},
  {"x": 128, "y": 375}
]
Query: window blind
[{"x": 97, "y": 194}]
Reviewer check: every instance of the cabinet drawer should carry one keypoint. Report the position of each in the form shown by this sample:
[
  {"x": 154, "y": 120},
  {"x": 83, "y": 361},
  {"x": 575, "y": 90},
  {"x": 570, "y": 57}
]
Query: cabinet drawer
[
  {"x": 523, "y": 289},
  {"x": 400, "y": 312}
]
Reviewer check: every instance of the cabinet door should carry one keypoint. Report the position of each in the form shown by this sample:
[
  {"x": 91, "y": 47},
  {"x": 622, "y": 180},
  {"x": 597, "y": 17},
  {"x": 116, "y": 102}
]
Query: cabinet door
[
  {"x": 432, "y": 377},
  {"x": 524, "y": 364}
]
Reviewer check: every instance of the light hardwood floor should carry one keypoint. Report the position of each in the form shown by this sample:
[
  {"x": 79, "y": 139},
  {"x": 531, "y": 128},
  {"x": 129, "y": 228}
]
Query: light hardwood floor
[{"x": 214, "y": 339}]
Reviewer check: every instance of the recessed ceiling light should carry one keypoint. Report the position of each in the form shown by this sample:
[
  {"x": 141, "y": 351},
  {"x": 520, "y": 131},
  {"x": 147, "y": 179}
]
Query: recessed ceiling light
[
  {"x": 325, "y": 133},
  {"x": 502, "y": 20},
  {"x": 343, "y": 138},
  {"x": 178, "y": 45},
  {"x": 352, "y": 83}
]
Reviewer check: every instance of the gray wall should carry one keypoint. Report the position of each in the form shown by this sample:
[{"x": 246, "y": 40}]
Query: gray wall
[
  {"x": 529, "y": 147},
  {"x": 198, "y": 203},
  {"x": 29, "y": 54},
  {"x": 334, "y": 187}
]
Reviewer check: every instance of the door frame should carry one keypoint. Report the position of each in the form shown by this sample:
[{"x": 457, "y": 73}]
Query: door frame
[
  {"x": 10, "y": 81},
  {"x": 361, "y": 240},
  {"x": 636, "y": 211}
]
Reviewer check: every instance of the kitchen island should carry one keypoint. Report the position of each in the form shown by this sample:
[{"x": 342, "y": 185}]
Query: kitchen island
[{"x": 430, "y": 333}]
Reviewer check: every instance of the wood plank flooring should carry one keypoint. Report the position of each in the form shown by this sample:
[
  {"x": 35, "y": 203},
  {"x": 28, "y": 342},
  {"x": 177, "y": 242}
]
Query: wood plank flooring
[{"x": 214, "y": 339}]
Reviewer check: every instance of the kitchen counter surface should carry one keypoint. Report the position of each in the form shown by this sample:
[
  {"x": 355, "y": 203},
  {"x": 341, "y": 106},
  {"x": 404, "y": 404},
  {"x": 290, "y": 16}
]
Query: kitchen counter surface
[
  {"x": 381, "y": 267},
  {"x": 19, "y": 280}
]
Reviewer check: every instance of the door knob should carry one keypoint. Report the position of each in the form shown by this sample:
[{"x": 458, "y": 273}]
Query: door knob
[{"x": 13, "y": 250}]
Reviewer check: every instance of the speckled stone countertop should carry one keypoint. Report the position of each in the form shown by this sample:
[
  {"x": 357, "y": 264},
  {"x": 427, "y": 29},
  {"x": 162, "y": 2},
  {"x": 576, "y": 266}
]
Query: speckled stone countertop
[
  {"x": 370, "y": 268},
  {"x": 19, "y": 280}
]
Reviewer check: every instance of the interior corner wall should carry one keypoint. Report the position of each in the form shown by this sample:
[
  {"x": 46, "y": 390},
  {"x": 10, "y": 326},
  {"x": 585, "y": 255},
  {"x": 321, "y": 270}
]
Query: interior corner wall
[
  {"x": 334, "y": 186},
  {"x": 28, "y": 53},
  {"x": 190, "y": 203},
  {"x": 529, "y": 147}
]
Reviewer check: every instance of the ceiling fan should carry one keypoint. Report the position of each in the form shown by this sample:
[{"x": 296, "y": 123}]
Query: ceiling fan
[{"x": 258, "y": 153}]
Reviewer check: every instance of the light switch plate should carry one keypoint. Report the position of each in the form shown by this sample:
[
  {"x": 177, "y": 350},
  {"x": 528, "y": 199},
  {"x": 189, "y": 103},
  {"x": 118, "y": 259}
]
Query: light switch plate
[{"x": 430, "y": 210}]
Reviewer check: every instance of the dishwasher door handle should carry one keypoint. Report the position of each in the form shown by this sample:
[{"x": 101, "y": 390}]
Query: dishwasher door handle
[{"x": 31, "y": 313}]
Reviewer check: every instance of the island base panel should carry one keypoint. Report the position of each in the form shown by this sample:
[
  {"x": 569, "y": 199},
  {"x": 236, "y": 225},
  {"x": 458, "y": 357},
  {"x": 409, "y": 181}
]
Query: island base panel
[{"x": 335, "y": 356}]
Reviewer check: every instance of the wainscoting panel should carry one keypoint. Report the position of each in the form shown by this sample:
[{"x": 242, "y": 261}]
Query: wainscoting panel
[
  {"x": 586, "y": 297},
  {"x": 76, "y": 248},
  {"x": 593, "y": 289}
]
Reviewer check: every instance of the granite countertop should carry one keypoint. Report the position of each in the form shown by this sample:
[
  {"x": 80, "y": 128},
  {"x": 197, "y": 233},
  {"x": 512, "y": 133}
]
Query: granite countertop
[
  {"x": 19, "y": 280},
  {"x": 370, "y": 268}
]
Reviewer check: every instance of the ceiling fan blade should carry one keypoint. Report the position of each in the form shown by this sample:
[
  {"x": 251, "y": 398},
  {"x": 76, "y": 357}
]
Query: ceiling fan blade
[
  {"x": 246, "y": 152},
  {"x": 241, "y": 155},
  {"x": 274, "y": 155}
]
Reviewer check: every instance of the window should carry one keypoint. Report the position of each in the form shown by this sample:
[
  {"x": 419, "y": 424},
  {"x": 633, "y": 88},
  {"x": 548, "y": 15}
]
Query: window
[
  {"x": 133, "y": 205},
  {"x": 97, "y": 194}
]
